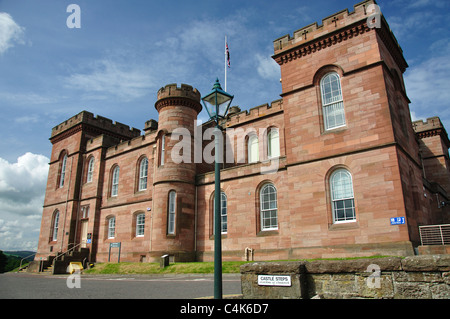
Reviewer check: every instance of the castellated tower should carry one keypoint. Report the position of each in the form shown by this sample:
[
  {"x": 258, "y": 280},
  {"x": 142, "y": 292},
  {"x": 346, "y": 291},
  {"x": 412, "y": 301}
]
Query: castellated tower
[
  {"x": 343, "y": 95},
  {"x": 60, "y": 225},
  {"x": 174, "y": 181}
]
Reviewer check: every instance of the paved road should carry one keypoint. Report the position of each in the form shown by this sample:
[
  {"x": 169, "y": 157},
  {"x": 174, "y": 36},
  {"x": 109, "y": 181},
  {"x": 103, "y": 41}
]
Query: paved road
[{"x": 38, "y": 286}]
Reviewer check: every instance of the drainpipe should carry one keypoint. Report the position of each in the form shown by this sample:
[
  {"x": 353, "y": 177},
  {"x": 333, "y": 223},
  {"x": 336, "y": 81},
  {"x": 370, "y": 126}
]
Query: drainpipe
[
  {"x": 195, "y": 223},
  {"x": 79, "y": 202},
  {"x": 67, "y": 200}
]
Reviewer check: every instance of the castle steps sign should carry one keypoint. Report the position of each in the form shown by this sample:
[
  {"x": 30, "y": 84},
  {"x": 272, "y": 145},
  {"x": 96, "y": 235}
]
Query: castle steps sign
[{"x": 274, "y": 280}]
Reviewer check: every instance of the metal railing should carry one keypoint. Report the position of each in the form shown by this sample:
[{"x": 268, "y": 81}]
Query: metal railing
[
  {"x": 435, "y": 234},
  {"x": 20, "y": 267},
  {"x": 62, "y": 254}
]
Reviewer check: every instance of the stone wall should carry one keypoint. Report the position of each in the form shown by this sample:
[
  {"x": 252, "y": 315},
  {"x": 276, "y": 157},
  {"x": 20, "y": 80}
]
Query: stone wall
[{"x": 415, "y": 277}]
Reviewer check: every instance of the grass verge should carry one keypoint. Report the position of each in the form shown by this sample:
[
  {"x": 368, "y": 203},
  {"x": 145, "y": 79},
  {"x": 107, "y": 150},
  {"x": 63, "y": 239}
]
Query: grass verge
[
  {"x": 228, "y": 267},
  {"x": 153, "y": 268}
]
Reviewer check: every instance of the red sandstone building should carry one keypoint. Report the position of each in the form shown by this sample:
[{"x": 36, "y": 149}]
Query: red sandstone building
[{"x": 346, "y": 158}]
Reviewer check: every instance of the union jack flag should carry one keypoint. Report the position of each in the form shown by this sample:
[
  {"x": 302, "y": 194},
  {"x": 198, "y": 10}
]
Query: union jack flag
[{"x": 228, "y": 55}]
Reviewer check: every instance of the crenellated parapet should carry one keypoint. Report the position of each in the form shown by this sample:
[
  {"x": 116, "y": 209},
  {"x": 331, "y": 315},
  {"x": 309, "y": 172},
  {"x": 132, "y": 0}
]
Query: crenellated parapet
[
  {"x": 431, "y": 127},
  {"x": 338, "y": 27},
  {"x": 98, "y": 124},
  {"x": 331, "y": 23},
  {"x": 258, "y": 112},
  {"x": 185, "y": 95}
]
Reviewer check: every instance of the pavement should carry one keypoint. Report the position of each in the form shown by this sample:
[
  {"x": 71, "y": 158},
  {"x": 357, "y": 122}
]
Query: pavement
[{"x": 166, "y": 286}]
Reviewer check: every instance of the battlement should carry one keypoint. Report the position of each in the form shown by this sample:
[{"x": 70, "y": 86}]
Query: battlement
[
  {"x": 172, "y": 90},
  {"x": 334, "y": 22},
  {"x": 150, "y": 126},
  {"x": 132, "y": 144},
  {"x": 431, "y": 127},
  {"x": 430, "y": 123},
  {"x": 99, "y": 122},
  {"x": 172, "y": 95},
  {"x": 238, "y": 117}
]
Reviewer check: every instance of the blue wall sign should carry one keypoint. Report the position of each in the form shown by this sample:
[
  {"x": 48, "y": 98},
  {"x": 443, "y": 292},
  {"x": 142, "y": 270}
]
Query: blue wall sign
[{"x": 397, "y": 220}]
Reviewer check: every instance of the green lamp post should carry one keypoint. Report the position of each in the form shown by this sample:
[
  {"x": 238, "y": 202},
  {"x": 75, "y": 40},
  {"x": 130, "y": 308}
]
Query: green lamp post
[{"x": 217, "y": 104}]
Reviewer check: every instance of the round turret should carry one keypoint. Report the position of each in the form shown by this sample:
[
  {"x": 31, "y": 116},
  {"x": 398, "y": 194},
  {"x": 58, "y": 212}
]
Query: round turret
[
  {"x": 173, "y": 95},
  {"x": 174, "y": 176}
]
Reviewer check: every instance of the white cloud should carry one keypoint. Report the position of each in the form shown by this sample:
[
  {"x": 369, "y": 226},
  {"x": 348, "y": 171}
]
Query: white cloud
[
  {"x": 427, "y": 83},
  {"x": 403, "y": 25},
  {"x": 10, "y": 32},
  {"x": 26, "y": 98},
  {"x": 33, "y": 118},
  {"x": 414, "y": 116},
  {"x": 420, "y": 3},
  {"x": 22, "y": 191},
  {"x": 192, "y": 54},
  {"x": 107, "y": 78},
  {"x": 201, "y": 44},
  {"x": 267, "y": 67},
  {"x": 15, "y": 235}
]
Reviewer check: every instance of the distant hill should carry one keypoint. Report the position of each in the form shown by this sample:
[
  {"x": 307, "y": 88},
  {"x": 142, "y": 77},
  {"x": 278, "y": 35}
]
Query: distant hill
[
  {"x": 10, "y": 260},
  {"x": 21, "y": 254}
]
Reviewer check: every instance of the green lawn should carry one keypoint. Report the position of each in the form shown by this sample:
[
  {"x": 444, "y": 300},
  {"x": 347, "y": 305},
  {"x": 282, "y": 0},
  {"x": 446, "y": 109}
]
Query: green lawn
[
  {"x": 176, "y": 268},
  {"x": 153, "y": 268}
]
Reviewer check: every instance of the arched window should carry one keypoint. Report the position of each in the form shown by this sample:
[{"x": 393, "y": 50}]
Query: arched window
[
  {"x": 111, "y": 227},
  {"x": 90, "y": 171},
  {"x": 332, "y": 101},
  {"x": 115, "y": 181},
  {"x": 342, "y": 197},
  {"x": 223, "y": 213},
  {"x": 171, "y": 213},
  {"x": 269, "y": 207},
  {"x": 143, "y": 172},
  {"x": 62, "y": 175},
  {"x": 140, "y": 225},
  {"x": 273, "y": 143},
  {"x": 55, "y": 225},
  {"x": 163, "y": 150},
  {"x": 253, "y": 149}
]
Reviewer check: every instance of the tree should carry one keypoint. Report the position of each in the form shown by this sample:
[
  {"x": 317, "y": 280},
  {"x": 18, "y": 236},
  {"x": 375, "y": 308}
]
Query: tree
[{"x": 3, "y": 261}]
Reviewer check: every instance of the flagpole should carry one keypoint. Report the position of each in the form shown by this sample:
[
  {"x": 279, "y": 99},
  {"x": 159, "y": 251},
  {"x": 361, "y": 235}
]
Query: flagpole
[{"x": 225, "y": 63}]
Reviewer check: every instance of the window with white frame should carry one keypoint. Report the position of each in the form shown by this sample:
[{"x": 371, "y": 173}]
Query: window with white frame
[
  {"x": 223, "y": 213},
  {"x": 171, "y": 213},
  {"x": 143, "y": 172},
  {"x": 63, "y": 171},
  {"x": 115, "y": 181},
  {"x": 332, "y": 101},
  {"x": 55, "y": 226},
  {"x": 111, "y": 227},
  {"x": 273, "y": 143},
  {"x": 85, "y": 211},
  {"x": 90, "y": 172},
  {"x": 253, "y": 149},
  {"x": 342, "y": 197},
  {"x": 268, "y": 207},
  {"x": 140, "y": 225}
]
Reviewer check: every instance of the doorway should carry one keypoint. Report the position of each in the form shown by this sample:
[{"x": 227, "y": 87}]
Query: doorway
[{"x": 84, "y": 233}]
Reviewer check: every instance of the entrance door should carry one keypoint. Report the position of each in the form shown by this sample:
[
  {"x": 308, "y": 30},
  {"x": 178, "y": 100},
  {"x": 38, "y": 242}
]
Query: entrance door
[{"x": 84, "y": 232}]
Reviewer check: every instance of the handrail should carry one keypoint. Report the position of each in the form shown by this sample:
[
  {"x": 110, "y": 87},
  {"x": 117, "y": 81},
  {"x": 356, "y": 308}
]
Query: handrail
[
  {"x": 20, "y": 266},
  {"x": 57, "y": 256}
]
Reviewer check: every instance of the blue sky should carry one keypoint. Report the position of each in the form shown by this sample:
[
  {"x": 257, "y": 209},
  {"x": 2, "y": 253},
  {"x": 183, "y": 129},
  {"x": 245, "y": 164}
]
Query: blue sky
[{"x": 126, "y": 50}]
